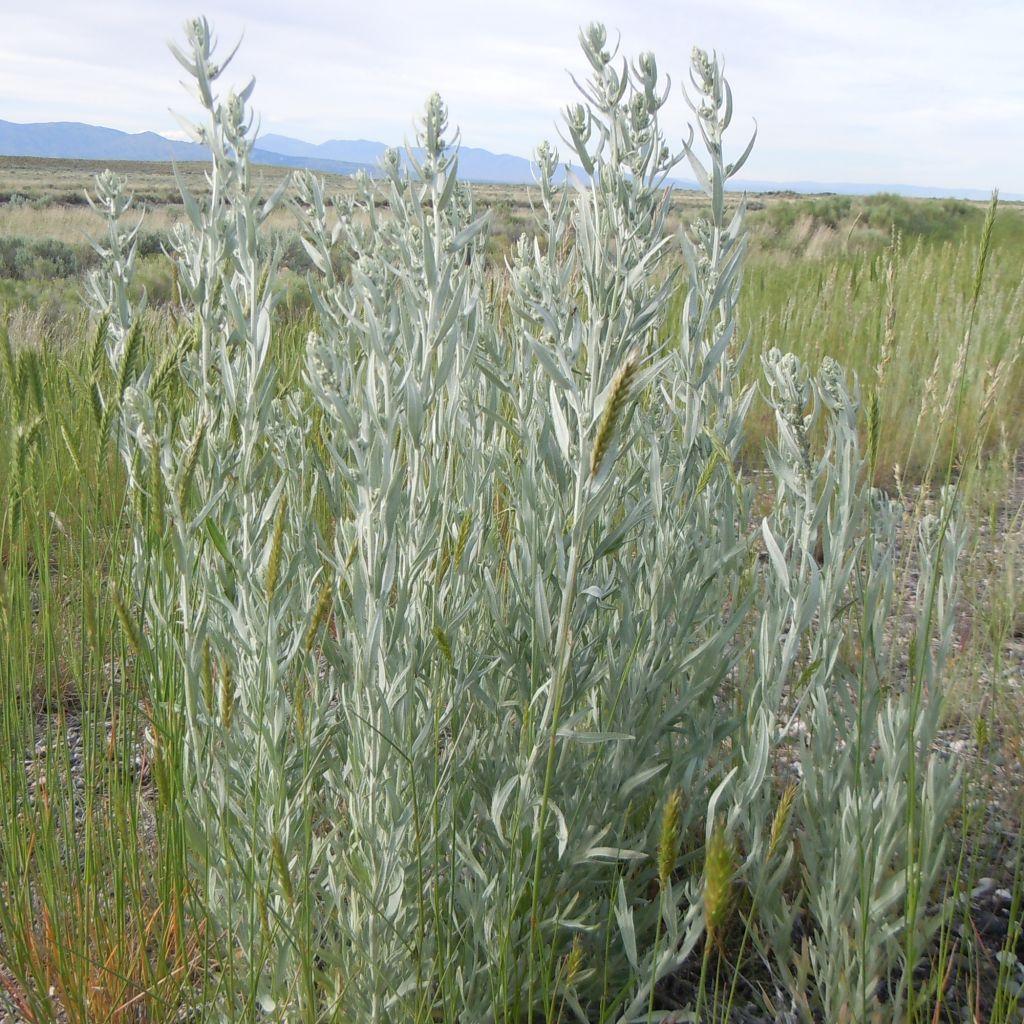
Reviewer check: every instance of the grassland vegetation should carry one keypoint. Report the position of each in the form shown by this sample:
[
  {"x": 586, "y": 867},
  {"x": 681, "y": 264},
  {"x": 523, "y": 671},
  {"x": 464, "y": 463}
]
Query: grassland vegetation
[
  {"x": 417, "y": 610},
  {"x": 824, "y": 273}
]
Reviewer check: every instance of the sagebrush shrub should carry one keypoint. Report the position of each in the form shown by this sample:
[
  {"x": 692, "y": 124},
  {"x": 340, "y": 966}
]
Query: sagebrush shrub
[{"x": 475, "y": 671}]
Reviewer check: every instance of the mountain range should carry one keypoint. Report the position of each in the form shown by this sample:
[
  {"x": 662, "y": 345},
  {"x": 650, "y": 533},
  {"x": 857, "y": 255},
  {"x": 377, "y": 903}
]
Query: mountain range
[{"x": 75, "y": 141}]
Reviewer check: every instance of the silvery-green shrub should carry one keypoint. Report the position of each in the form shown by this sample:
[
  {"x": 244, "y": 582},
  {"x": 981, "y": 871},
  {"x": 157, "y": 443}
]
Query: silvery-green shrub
[{"x": 486, "y": 670}]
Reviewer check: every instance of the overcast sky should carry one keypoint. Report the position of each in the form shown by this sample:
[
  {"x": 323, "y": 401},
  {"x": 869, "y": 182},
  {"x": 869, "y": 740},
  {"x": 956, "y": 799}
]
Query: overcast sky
[{"x": 918, "y": 92}]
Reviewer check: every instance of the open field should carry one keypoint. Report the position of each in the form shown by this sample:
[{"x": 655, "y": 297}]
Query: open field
[
  {"x": 439, "y": 627},
  {"x": 822, "y": 278},
  {"x": 56, "y": 187},
  {"x": 65, "y": 181}
]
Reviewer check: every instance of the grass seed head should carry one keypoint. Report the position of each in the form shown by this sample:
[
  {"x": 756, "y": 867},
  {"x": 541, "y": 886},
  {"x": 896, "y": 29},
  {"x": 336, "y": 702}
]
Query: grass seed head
[
  {"x": 719, "y": 866},
  {"x": 282, "y": 867},
  {"x": 463, "y": 539},
  {"x": 274, "y": 564},
  {"x": 227, "y": 694},
  {"x": 191, "y": 459},
  {"x": 442, "y": 643},
  {"x": 874, "y": 428},
  {"x": 323, "y": 606},
  {"x": 573, "y": 960},
  {"x": 668, "y": 844},
  {"x": 128, "y": 624},
  {"x": 615, "y": 404},
  {"x": 71, "y": 449},
  {"x": 96, "y": 356},
  {"x": 30, "y": 376},
  {"x": 781, "y": 819}
]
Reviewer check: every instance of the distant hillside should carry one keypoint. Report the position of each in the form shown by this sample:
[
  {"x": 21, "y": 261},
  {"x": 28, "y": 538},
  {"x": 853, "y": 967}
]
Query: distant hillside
[
  {"x": 474, "y": 164},
  {"x": 359, "y": 151},
  {"x": 71, "y": 140},
  {"x": 74, "y": 141},
  {"x": 483, "y": 166}
]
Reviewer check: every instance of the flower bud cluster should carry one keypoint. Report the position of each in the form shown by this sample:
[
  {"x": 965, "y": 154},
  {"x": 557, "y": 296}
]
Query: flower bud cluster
[{"x": 791, "y": 391}]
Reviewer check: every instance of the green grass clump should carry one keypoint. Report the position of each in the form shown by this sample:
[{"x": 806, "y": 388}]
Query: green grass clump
[
  {"x": 25, "y": 259},
  {"x": 900, "y": 318}
]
